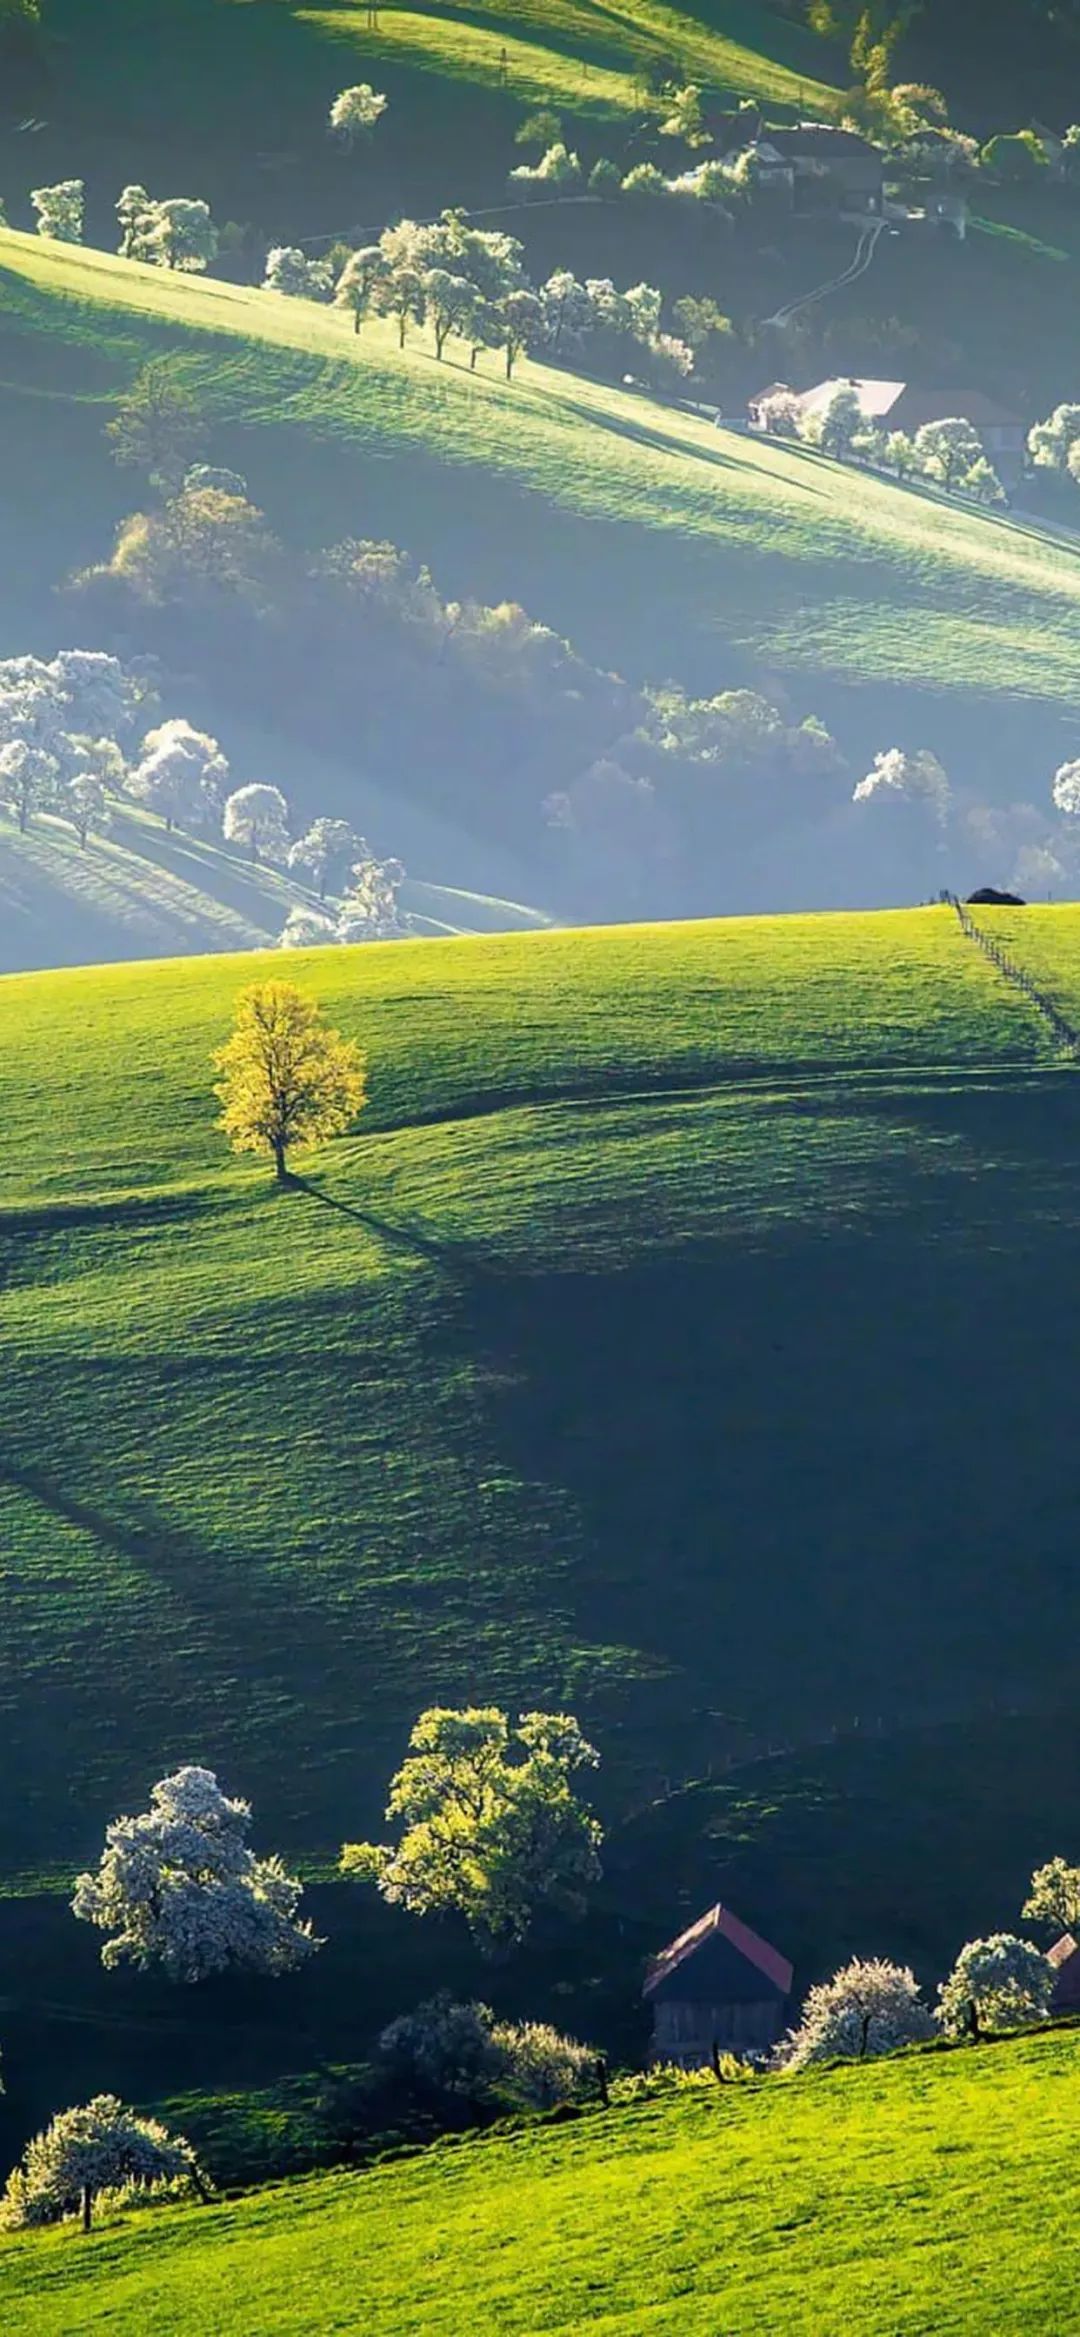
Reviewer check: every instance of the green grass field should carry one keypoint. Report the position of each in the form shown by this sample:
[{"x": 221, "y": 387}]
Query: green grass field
[
  {"x": 585, "y": 56},
  {"x": 554, "y": 1381},
  {"x": 934, "y": 2194},
  {"x": 656, "y": 542}
]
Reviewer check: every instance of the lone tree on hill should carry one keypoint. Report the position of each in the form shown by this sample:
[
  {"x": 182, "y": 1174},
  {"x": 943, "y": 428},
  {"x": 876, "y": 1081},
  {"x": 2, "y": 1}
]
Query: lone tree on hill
[
  {"x": 998, "y": 1983},
  {"x": 95, "y": 2148},
  {"x": 491, "y": 1826},
  {"x": 180, "y": 1887},
  {"x": 286, "y": 1077}
]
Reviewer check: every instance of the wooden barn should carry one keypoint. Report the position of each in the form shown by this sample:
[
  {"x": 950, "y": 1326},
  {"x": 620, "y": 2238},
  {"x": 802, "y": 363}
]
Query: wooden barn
[
  {"x": 1064, "y": 1957},
  {"x": 717, "y": 1985}
]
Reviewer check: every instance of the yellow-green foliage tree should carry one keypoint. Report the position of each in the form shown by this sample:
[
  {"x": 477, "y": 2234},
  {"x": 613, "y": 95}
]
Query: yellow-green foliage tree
[{"x": 286, "y": 1077}]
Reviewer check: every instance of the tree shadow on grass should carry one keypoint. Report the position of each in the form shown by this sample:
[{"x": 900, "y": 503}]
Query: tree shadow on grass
[{"x": 457, "y": 1256}]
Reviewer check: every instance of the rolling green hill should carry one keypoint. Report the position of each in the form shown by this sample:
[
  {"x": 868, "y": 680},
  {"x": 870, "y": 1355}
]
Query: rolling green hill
[
  {"x": 937, "y": 2192},
  {"x": 678, "y": 1339},
  {"x": 656, "y": 542}
]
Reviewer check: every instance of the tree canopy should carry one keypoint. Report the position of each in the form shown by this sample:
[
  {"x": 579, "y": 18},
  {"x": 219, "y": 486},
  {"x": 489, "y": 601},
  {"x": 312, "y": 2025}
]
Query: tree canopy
[
  {"x": 286, "y": 1077},
  {"x": 491, "y": 1827}
]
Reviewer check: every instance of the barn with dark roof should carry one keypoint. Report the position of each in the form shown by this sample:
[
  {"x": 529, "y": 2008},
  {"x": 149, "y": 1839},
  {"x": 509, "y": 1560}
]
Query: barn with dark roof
[{"x": 717, "y": 1988}]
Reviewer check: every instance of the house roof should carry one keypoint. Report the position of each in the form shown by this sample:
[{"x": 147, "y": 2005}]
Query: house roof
[
  {"x": 904, "y": 401},
  {"x": 876, "y": 398},
  {"x": 721, "y": 1923},
  {"x": 1063, "y": 1951}
]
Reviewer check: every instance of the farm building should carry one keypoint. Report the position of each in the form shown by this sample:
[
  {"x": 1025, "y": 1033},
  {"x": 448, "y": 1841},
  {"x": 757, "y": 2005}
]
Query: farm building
[
  {"x": 1064, "y": 1956},
  {"x": 901, "y": 405},
  {"x": 821, "y": 168},
  {"x": 717, "y": 1985}
]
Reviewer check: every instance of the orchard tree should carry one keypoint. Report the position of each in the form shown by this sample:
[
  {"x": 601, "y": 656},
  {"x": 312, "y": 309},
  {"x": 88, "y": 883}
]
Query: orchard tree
[
  {"x": 1066, "y": 789},
  {"x": 369, "y": 911},
  {"x": 157, "y": 426},
  {"x": 558, "y": 172},
  {"x": 998, "y": 1983},
  {"x": 258, "y": 817},
  {"x": 179, "y": 233},
  {"x": 867, "y": 2008},
  {"x": 182, "y": 774},
  {"x": 60, "y": 210},
  {"x": 85, "y": 805},
  {"x": 307, "y": 927},
  {"x": 286, "y": 1077},
  {"x": 448, "y": 303},
  {"x": 356, "y": 111},
  {"x": 28, "y": 777},
  {"x": 947, "y": 450},
  {"x": 364, "y": 284},
  {"x": 491, "y": 1827},
  {"x": 900, "y": 455},
  {"x": 134, "y": 212},
  {"x": 289, "y": 270},
  {"x": 326, "y": 851},
  {"x": 566, "y": 311},
  {"x": 181, "y": 1887},
  {"x": 983, "y": 484},
  {"x": 837, "y": 426},
  {"x": 1050, "y": 443},
  {"x": 520, "y": 322},
  {"x": 1054, "y": 1896},
  {"x": 684, "y": 118},
  {"x": 102, "y": 2146},
  {"x": 918, "y": 778}
]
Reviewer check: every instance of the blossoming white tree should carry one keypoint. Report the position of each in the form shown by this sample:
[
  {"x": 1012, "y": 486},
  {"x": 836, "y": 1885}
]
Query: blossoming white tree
[
  {"x": 1001, "y": 1983},
  {"x": 356, "y": 110},
  {"x": 258, "y": 817},
  {"x": 325, "y": 851},
  {"x": 180, "y": 1887},
  {"x": 1054, "y": 1896},
  {"x": 867, "y": 2008},
  {"x": 1050, "y": 443},
  {"x": 178, "y": 233},
  {"x": 369, "y": 911},
  {"x": 182, "y": 774},
  {"x": 947, "y": 450},
  {"x": 60, "y": 210},
  {"x": 918, "y": 777},
  {"x": 101, "y": 2146},
  {"x": 289, "y": 270},
  {"x": 58, "y": 718},
  {"x": 1066, "y": 789},
  {"x": 491, "y": 1825}
]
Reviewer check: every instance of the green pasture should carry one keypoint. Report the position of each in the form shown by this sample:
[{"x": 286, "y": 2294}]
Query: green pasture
[
  {"x": 662, "y": 1344},
  {"x": 934, "y": 2193},
  {"x": 656, "y": 542},
  {"x": 586, "y": 56}
]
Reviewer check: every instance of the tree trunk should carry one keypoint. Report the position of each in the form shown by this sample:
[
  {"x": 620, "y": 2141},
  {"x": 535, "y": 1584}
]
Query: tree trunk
[
  {"x": 278, "y": 1148},
  {"x": 602, "y": 2082},
  {"x": 356, "y": 320},
  {"x": 22, "y": 819},
  {"x": 401, "y": 332},
  {"x": 87, "y": 2207},
  {"x": 254, "y": 851},
  {"x": 509, "y": 364}
]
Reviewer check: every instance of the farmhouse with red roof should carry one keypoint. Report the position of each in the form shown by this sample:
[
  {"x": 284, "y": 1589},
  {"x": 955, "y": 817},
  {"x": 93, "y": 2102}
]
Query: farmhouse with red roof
[{"x": 718, "y": 1986}]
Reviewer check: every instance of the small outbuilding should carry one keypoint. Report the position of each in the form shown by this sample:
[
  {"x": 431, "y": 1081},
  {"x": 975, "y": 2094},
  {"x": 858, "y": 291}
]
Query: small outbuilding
[
  {"x": 1064, "y": 1959},
  {"x": 717, "y": 1988}
]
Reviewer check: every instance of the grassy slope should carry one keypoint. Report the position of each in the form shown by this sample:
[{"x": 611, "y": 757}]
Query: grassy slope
[
  {"x": 582, "y": 54},
  {"x": 651, "y": 536},
  {"x": 886, "y": 2201},
  {"x": 566, "y": 1397},
  {"x": 138, "y": 892}
]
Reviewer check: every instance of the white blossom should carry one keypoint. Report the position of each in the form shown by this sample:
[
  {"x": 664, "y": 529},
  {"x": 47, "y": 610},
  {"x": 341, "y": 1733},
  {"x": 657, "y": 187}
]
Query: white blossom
[
  {"x": 101, "y": 2146},
  {"x": 867, "y": 2008},
  {"x": 60, "y": 210},
  {"x": 290, "y": 271},
  {"x": 180, "y": 1887},
  {"x": 356, "y": 110},
  {"x": 1006, "y": 1979},
  {"x": 258, "y": 817},
  {"x": 182, "y": 774}
]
